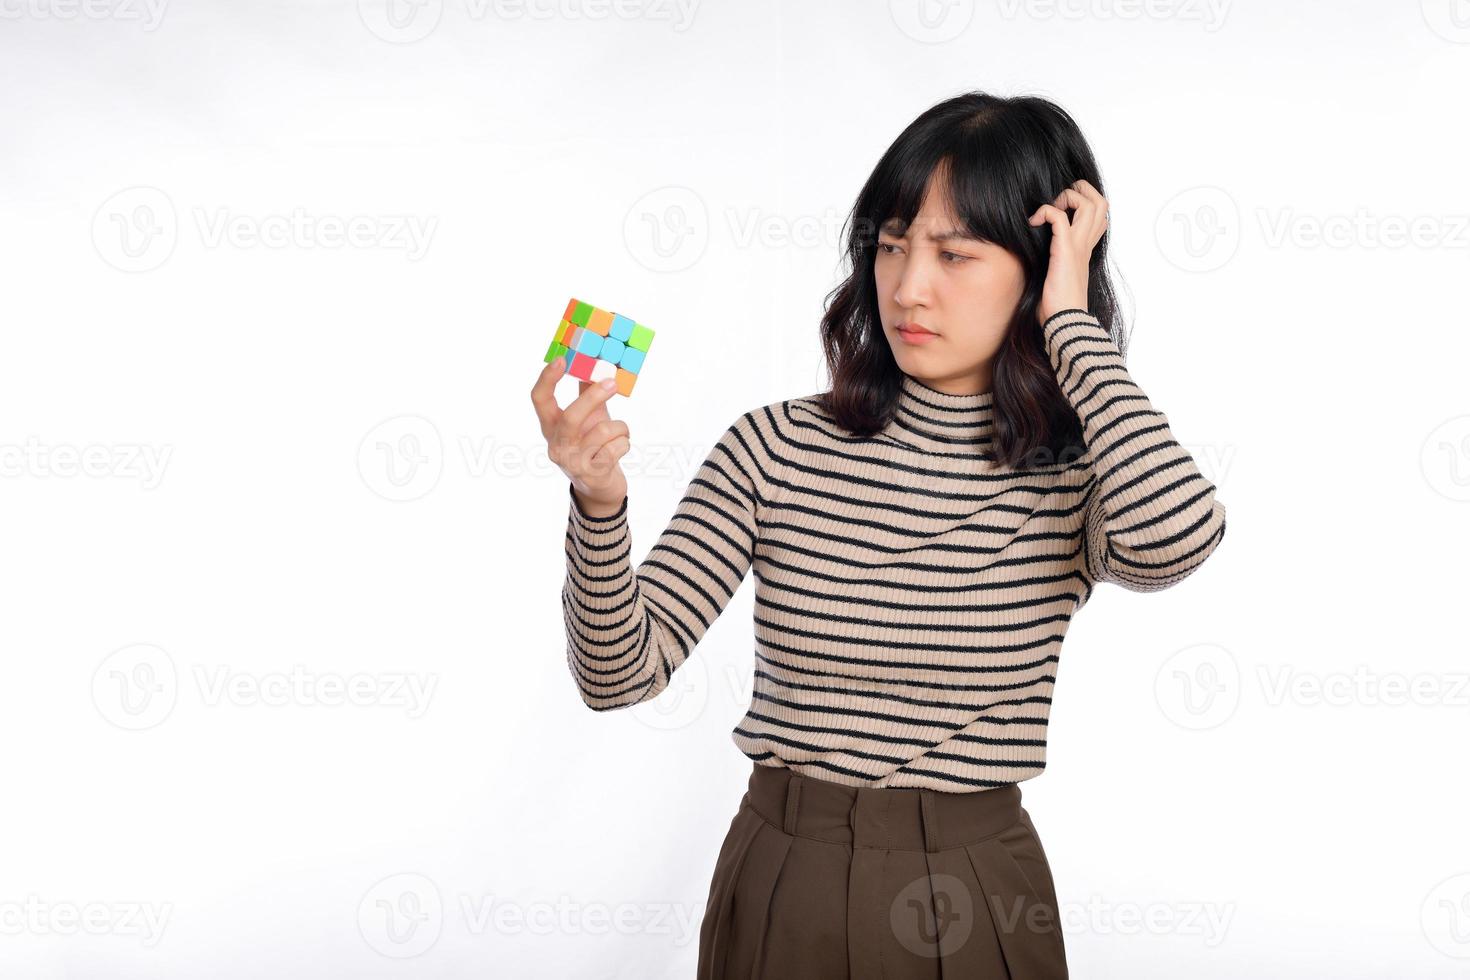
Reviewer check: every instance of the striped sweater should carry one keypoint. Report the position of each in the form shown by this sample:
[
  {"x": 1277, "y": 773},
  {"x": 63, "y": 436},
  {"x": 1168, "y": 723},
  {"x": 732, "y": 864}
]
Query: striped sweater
[{"x": 911, "y": 595}]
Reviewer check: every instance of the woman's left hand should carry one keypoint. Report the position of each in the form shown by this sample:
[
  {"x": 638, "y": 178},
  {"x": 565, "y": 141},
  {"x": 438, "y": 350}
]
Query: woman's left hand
[{"x": 1072, "y": 242}]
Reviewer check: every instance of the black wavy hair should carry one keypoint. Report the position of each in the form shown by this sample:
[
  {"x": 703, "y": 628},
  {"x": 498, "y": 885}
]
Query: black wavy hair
[{"x": 1000, "y": 159}]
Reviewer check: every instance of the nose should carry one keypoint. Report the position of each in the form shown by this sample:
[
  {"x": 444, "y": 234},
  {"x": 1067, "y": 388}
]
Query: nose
[{"x": 913, "y": 283}]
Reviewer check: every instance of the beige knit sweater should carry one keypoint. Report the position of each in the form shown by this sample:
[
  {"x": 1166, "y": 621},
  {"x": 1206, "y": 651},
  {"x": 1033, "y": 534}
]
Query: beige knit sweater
[{"x": 911, "y": 595}]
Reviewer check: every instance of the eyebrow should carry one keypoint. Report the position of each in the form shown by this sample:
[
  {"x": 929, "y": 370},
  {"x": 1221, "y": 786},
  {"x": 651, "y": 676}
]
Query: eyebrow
[{"x": 950, "y": 235}]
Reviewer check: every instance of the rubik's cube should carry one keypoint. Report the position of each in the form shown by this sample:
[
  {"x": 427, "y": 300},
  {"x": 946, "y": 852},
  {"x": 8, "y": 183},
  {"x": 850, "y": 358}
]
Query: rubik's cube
[{"x": 600, "y": 344}]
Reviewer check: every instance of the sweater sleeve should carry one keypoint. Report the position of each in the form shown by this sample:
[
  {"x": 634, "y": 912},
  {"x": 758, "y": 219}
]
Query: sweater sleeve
[
  {"x": 1150, "y": 518},
  {"x": 628, "y": 629}
]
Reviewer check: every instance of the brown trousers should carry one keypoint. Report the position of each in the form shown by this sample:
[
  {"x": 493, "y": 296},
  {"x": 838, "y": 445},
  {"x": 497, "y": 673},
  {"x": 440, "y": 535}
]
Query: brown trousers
[{"x": 818, "y": 880}]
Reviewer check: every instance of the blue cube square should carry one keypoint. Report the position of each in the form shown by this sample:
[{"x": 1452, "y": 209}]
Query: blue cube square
[
  {"x": 590, "y": 344},
  {"x": 632, "y": 360},
  {"x": 612, "y": 349}
]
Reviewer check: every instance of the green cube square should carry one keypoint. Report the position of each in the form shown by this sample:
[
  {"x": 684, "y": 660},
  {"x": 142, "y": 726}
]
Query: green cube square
[{"x": 641, "y": 337}]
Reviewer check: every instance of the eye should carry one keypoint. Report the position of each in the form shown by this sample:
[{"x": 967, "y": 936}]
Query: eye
[
  {"x": 954, "y": 255},
  {"x": 883, "y": 246}
]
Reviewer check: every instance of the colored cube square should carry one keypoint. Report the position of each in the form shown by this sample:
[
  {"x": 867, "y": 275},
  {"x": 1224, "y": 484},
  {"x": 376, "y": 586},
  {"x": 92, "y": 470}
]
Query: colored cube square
[
  {"x": 632, "y": 360},
  {"x": 598, "y": 321},
  {"x": 602, "y": 369},
  {"x": 589, "y": 343},
  {"x": 598, "y": 343},
  {"x": 612, "y": 350},
  {"x": 641, "y": 338},
  {"x": 581, "y": 366}
]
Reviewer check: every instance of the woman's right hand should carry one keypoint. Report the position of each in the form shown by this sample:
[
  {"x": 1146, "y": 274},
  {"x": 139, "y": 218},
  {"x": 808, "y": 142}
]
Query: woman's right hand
[{"x": 584, "y": 440}]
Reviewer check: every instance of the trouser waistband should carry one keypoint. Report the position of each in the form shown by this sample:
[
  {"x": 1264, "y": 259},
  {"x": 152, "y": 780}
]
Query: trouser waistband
[{"x": 903, "y": 818}]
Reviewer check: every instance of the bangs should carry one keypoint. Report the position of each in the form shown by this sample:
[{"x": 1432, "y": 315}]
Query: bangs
[
  {"x": 970, "y": 171},
  {"x": 985, "y": 193}
]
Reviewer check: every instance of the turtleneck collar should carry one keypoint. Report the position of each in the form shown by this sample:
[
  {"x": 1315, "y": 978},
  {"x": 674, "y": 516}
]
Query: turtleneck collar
[{"x": 933, "y": 420}]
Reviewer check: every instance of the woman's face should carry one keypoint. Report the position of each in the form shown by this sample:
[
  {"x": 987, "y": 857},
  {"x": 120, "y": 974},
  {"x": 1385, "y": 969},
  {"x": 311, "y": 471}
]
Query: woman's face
[{"x": 965, "y": 291}]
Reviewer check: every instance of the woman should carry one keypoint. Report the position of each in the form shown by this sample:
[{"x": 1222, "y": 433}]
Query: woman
[{"x": 922, "y": 534}]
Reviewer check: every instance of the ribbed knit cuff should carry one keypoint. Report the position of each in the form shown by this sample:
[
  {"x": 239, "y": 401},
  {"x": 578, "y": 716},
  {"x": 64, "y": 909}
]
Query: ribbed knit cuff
[
  {"x": 1062, "y": 319},
  {"x": 597, "y": 531}
]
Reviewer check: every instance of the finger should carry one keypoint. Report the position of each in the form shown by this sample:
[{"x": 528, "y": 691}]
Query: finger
[
  {"x": 597, "y": 415},
  {"x": 594, "y": 467},
  {"x": 1070, "y": 197},
  {"x": 1089, "y": 211},
  {"x": 608, "y": 429},
  {"x": 1098, "y": 205},
  {"x": 1095, "y": 211},
  {"x": 609, "y": 453},
  {"x": 1055, "y": 215},
  {"x": 1089, "y": 191},
  {"x": 573, "y": 420},
  {"x": 543, "y": 395},
  {"x": 596, "y": 435},
  {"x": 601, "y": 432}
]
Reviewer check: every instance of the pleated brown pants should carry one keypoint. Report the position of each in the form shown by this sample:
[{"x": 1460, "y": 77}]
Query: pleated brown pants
[{"x": 818, "y": 880}]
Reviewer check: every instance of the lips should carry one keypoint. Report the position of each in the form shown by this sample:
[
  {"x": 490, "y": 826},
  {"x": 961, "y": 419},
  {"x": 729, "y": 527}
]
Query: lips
[{"x": 914, "y": 328}]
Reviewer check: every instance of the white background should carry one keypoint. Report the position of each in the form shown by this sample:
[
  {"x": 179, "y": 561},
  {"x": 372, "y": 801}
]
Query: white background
[{"x": 241, "y": 453}]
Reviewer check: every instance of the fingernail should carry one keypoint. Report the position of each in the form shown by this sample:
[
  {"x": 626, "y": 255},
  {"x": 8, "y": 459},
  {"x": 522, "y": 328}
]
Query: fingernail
[{"x": 608, "y": 383}]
